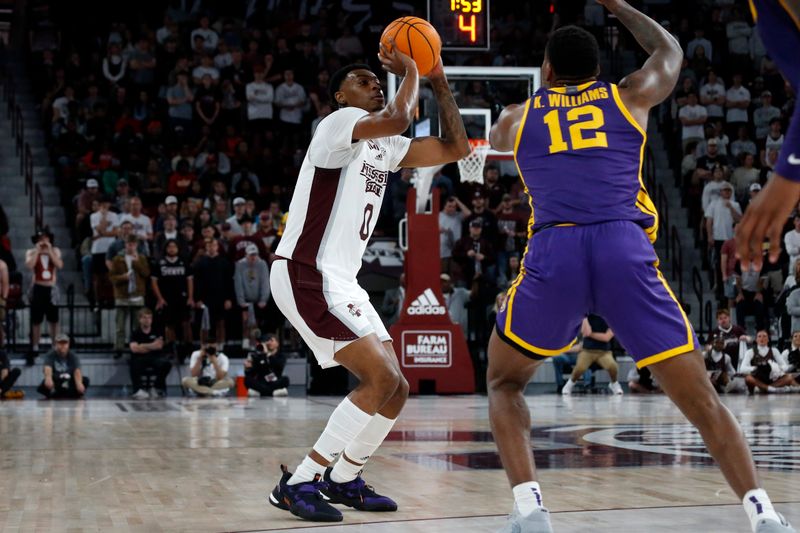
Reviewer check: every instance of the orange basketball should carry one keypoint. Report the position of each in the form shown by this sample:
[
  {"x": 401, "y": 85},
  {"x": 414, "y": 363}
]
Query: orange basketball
[{"x": 416, "y": 38}]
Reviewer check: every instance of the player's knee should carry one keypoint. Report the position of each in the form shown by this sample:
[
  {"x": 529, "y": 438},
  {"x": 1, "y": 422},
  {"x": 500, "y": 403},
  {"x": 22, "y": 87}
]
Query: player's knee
[
  {"x": 504, "y": 384},
  {"x": 385, "y": 381},
  {"x": 402, "y": 389}
]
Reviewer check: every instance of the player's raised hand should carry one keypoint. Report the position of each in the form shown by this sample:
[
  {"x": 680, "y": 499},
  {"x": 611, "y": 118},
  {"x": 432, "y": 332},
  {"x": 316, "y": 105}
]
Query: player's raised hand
[
  {"x": 765, "y": 217},
  {"x": 395, "y": 61}
]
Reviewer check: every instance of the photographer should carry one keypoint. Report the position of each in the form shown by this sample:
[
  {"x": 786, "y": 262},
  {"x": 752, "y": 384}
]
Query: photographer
[
  {"x": 209, "y": 370},
  {"x": 44, "y": 261},
  {"x": 263, "y": 369},
  {"x": 62, "y": 372}
]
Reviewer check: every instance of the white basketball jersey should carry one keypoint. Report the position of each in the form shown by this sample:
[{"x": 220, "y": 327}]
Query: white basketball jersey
[{"x": 337, "y": 199}]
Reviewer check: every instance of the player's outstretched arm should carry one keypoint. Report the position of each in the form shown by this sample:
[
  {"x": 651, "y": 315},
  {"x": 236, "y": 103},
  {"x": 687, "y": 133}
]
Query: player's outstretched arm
[
  {"x": 654, "y": 82},
  {"x": 504, "y": 131},
  {"x": 765, "y": 217},
  {"x": 453, "y": 144},
  {"x": 396, "y": 117}
]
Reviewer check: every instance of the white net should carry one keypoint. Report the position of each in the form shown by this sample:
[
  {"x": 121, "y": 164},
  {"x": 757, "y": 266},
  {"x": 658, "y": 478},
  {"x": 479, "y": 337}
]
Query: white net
[{"x": 471, "y": 167}]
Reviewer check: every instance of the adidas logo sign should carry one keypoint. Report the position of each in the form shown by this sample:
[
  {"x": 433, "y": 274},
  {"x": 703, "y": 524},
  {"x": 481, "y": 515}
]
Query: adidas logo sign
[{"x": 426, "y": 304}]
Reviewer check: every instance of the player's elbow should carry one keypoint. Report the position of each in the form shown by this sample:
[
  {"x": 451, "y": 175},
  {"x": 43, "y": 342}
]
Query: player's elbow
[
  {"x": 397, "y": 123},
  {"x": 461, "y": 149}
]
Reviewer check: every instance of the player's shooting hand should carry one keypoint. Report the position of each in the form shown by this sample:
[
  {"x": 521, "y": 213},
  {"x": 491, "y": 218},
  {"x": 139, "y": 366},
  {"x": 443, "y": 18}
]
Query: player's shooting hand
[
  {"x": 765, "y": 217},
  {"x": 395, "y": 61}
]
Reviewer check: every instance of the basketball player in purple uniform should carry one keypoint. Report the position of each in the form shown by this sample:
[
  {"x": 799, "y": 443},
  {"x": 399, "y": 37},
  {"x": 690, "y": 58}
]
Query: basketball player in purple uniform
[
  {"x": 579, "y": 144},
  {"x": 778, "y": 24}
]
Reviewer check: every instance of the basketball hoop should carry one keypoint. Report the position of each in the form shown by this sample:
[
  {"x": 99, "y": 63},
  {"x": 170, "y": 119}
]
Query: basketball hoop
[{"x": 471, "y": 167}]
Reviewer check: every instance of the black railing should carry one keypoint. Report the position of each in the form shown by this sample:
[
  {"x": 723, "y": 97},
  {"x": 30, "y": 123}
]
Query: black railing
[
  {"x": 706, "y": 318},
  {"x": 38, "y": 207},
  {"x": 664, "y": 225},
  {"x": 17, "y": 129},
  {"x": 704, "y": 327},
  {"x": 9, "y": 92},
  {"x": 677, "y": 260}
]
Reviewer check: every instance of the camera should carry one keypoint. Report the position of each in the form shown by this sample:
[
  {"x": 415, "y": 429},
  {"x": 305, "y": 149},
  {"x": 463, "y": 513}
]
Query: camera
[{"x": 211, "y": 350}]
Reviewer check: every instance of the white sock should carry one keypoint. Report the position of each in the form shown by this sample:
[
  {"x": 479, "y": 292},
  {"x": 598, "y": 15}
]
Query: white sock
[
  {"x": 345, "y": 423},
  {"x": 306, "y": 471},
  {"x": 758, "y": 507},
  {"x": 360, "y": 449},
  {"x": 528, "y": 497}
]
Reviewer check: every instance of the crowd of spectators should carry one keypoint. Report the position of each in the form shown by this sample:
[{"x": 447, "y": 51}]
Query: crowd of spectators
[{"x": 177, "y": 143}]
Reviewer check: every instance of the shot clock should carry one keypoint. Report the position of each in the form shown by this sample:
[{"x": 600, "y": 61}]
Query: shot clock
[{"x": 462, "y": 24}]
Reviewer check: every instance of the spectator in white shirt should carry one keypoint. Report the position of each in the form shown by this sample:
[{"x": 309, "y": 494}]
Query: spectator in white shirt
[
  {"x": 451, "y": 220},
  {"x": 209, "y": 36},
  {"x": 701, "y": 41},
  {"x": 142, "y": 225},
  {"x": 224, "y": 58},
  {"x": 737, "y": 100},
  {"x": 764, "y": 115},
  {"x": 291, "y": 98},
  {"x": 348, "y": 45},
  {"x": 721, "y": 215},
  {"x": 712, "y": 188},
  {"x": 260, "y": 96},
  {"x": 792, "y": 242},
  {"x": 209, "y": 372},
  {"x": 745, "y": 175},
  {"x": 693, "y": 117},
  {"x": 206, "y": 67},
  {"x": 742, "y": 144},
  {"x": 774, "y": 140},
  {"x": 738, "y": 32},
  {"x": 757, "y": 50},
  {"x": 712, "y": 95}
]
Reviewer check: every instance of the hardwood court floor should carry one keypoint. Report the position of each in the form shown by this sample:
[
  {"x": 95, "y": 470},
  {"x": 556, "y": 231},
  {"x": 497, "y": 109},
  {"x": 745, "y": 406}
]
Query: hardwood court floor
[{"x": 607, "y": 464}]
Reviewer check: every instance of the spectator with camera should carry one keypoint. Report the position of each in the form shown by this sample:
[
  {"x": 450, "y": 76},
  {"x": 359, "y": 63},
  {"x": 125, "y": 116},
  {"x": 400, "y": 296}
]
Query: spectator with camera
[
  {"x": 62, "y": 372},
  {"x": 209, "y": 371},
  {"x": 263, "y": 369},
  {"x": 764, "y": 367},
  {"x": 147, "y": 357},
  {"x": 44, "y": 261}
]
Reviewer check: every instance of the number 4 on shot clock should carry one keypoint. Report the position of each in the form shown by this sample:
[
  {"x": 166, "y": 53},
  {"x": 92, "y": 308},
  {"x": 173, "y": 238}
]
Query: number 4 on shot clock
[{"x": 462, "y": 24}]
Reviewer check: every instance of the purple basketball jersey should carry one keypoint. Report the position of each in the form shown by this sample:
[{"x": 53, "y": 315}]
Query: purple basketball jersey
[{"x": 580, "y": 155}]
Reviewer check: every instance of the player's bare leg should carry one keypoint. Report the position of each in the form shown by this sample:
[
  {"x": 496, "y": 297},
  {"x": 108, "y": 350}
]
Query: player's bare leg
[
  {"x": 684, "y": 379},
  {"x": 508, "y": 374}
]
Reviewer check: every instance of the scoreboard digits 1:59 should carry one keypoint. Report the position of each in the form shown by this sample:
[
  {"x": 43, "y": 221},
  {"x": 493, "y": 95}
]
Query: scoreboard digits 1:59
[{"x": 462, "y": 24}]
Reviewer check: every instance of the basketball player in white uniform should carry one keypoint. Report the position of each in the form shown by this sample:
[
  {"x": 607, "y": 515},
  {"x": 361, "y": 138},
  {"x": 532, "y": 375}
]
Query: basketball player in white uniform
[{"x": 331, "y": 217}]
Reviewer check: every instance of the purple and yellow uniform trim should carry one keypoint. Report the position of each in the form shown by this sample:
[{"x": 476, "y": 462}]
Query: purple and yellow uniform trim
[{"x": 579, "y": 152}]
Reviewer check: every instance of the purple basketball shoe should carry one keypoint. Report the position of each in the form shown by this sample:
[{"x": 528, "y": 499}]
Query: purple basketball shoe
[
  {"x": 303, "y": 499},
  {"x": 356, "y": 494}
]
